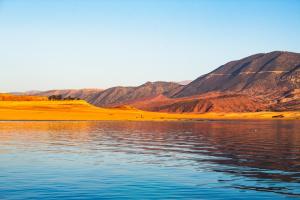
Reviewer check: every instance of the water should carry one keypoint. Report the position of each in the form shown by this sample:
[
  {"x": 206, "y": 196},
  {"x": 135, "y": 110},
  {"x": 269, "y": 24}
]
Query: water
[{"x": 150, "y": 160}]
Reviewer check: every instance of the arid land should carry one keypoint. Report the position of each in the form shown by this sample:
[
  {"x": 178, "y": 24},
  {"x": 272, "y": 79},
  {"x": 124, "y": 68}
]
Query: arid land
[{"x": 39, "y": 110}]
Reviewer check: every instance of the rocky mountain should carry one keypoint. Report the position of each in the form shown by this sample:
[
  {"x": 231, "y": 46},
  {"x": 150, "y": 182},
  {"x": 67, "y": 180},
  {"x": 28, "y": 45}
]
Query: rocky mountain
[
  {"x": 261, "y": 82},
  {"x": 204, "y": 103},
  {"x": 125, "y": 95},
  {"x": 274, "y": 72},
  {"x": 86, "y": 94},
  {"x": 117, "y": 96}
]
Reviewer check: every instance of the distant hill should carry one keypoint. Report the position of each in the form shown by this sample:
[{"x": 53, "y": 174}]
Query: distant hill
[
  {"x": 85, "y": 94},
  {"x": 117, "y": 96},
  {"x": 261, "y": 82},
  {"x": 11, "y": 97},
  {"x": 124, "y": 95}
]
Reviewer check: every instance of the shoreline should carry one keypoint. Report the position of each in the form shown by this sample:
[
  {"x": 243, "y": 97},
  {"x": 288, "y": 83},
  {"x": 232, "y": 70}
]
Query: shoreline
[
  {"x": 175, "y": 121},
  {"x": 83, "y": 111}
]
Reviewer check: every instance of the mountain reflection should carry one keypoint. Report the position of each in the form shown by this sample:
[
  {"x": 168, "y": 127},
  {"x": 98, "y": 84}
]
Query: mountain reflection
[{"x": 260, "y": 150}]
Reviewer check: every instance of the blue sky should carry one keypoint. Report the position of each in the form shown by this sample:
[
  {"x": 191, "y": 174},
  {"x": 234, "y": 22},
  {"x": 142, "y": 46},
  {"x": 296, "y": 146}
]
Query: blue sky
[{"x": 59, "y": 44}]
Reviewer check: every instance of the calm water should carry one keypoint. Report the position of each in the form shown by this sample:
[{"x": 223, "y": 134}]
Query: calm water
[{"x": 150, "y": 160}]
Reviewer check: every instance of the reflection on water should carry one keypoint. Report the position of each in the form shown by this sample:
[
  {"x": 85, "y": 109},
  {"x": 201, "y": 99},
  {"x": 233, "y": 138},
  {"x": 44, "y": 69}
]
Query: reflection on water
[{"x": 150, "y": 160}]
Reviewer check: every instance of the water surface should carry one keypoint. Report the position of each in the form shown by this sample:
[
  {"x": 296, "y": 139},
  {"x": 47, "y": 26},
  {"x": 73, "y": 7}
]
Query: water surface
[{"x": 150, "y": 160}]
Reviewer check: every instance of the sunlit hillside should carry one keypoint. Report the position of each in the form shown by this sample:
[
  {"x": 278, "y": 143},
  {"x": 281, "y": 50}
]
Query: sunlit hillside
[
  {"x": 81, "y": 110},
  {"x": 10, "y": 97}
]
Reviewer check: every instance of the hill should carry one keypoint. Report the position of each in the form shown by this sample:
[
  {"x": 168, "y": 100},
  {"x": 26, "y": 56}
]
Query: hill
[
  {"x": 273, "y": 79},
  {"x": 261, "y": 82},
  {"x": 10, "y": 97},
  {"x": 117, "y": 96},
  {"x": 85, "y": 94},
  {"x": 202, "y": 104},
  {"x": 274, "y": 72},
  {"x": 126, "y": 95}
]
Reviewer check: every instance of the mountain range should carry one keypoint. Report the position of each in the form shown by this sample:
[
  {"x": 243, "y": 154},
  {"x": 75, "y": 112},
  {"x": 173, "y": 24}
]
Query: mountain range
[{"x": 261, "y": 82}]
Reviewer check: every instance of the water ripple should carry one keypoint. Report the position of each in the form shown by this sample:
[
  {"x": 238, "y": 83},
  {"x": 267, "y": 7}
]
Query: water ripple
[{"x": 150, "y": 160}]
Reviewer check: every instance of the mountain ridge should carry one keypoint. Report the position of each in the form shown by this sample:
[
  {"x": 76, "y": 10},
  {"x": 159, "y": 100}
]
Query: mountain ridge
[
  {"x": 242, "y": 75},
  {"x": 259, "y": 82}
]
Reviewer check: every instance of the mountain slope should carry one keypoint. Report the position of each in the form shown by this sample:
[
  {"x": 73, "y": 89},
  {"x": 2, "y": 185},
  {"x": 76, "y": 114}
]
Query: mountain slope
[
  {"x": 117, "y": 96},
  {"x": 85, "y": 94},
  {"x": 257, "y": 74},
  {"x": 261, "y": 82},
  {"x": 124, "y": 95},
  {"x": 203, "y": 103}
]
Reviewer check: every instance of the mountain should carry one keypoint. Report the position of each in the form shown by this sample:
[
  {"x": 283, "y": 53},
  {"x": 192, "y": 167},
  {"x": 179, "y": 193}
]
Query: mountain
[
  {"x": 202, "y": 104},
  {"x": 86, "y": 94},
  {"x": 184, "y": 82},
  {"x": 261, "y": 82},
  {"x": 117, "y": 96},
  {"x": 275, "y": 72}
]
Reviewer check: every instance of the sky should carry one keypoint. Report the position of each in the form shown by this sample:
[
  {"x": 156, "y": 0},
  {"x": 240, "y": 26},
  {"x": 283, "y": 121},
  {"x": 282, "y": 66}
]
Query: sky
[{"x": 57, "y": 44}]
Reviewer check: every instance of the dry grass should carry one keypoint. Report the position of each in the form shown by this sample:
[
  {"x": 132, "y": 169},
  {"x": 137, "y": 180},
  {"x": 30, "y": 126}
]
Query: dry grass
[
  {"x": 9, "y": 97},
  {"x": 81, "y": 110}
]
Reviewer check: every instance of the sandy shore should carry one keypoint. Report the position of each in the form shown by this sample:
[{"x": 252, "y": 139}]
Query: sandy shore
[{"x": 81, "y": 110}]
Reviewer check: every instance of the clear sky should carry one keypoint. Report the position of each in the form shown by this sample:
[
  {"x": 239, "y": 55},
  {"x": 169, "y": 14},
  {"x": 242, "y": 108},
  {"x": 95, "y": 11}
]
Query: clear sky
[{"x": 59, "y": 44}]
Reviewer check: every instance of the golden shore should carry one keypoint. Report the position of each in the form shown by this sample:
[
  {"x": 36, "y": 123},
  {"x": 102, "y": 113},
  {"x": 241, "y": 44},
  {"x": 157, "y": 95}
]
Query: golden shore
[{"x": 81, "y": 110}]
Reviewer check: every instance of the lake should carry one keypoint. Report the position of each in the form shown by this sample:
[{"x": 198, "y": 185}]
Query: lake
[{"x": 150, "y": 160}]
